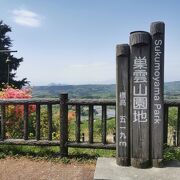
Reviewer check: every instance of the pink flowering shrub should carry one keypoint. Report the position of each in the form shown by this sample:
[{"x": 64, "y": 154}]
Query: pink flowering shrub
[{"x": 14, "y": 113}]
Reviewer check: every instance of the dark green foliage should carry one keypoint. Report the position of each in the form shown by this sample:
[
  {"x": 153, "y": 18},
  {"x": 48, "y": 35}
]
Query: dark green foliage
[
  {"x": 14, "y": 63},
  {"x": 172, "y": 153}
]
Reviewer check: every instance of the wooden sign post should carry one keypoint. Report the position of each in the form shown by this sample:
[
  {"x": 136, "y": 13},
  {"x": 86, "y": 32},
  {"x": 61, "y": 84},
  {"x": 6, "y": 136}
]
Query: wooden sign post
[
  {"x": 140, "y": 98},
  {"x": 122, "y": 104},
  {"x": 157, "y": 31}
]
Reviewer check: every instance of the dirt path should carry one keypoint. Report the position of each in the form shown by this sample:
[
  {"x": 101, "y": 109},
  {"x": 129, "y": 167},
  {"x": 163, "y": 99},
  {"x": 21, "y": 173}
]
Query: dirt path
[{"x": 26, "y": 169}]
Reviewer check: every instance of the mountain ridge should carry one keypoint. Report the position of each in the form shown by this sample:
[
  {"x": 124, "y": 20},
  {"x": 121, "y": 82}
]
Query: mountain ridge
[{"x": 171, "y": 89}]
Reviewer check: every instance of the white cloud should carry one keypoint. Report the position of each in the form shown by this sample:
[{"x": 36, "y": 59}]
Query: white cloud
[{"x": 25, "y": 17}]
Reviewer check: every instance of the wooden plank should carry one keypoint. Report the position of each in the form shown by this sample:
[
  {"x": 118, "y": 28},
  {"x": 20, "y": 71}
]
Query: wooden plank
[
  {"x": 49, "y": 107},
  {"x": 139, "y": 98},
  {"x": 56, "y": 143},
  {"x": 122, "y": 105},
  {"x": 93, "y": 146},
  {"x": 157, "y": 30},
  {"x": 25, "y": 121},
  {"x": 78, "y": 122},
  {"x": 63, "y": 124},
  {"x": 92, "y": 102},
  {"x": 30, "y": 142},
  {"x": 29, "y": 101},
  {"x": 172, "y": 102},
  {"x": 178, "y": 127},
  {"x": 3, "y": 113},
  {"x": 91, "y": 119},
  {"x": 104, "y": 119},
  {"x": 38, "y": 121}
]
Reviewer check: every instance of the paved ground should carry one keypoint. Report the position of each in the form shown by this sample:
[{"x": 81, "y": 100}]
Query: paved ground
[
  {"x": 26, "y": 169},
  {"x": 106, "y": 168}
]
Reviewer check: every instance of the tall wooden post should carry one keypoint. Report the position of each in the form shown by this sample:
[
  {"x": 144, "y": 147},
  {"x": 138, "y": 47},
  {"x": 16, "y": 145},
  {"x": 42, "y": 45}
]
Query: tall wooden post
[
  {"x": 122, "y": 104},
  {"x": 139, "y": 98},
  {"x": 63, "y": 124},
  {"x": 157, "y": 30}
]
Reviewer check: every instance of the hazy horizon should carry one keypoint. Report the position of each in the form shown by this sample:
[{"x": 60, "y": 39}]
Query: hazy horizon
[{"x": 62, "y": 84}]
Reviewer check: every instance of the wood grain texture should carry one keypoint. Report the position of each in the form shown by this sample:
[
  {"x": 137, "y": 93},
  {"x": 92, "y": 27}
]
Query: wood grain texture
[
  {"x": 139, "y": 112},
  {"x": 122, "y": 105},
  {"x": 104, "y": 125},
  {"x": 157, "y": 31},
  {"x": 63, "y": 124}
]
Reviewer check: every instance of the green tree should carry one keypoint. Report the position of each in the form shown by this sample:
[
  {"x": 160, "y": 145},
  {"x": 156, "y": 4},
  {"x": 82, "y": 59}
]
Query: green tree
[{"x": 12, "y": 64}]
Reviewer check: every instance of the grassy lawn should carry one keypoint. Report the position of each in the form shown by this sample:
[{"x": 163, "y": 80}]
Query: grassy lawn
[{"x": 52, "y": 153}]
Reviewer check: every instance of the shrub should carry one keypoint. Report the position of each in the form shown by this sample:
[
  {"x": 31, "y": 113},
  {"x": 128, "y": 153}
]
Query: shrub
[{"x": 14, "y": 113}]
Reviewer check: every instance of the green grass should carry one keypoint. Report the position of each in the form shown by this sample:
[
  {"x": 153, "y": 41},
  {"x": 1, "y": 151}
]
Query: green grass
[
  {"x": 172, "y": 153},
  {"x": 97, "y": 129},
  {"x": 76, "y": 155}
]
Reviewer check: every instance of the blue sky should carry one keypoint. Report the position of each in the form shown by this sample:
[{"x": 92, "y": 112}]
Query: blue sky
[{"x": 73, "y": 41}]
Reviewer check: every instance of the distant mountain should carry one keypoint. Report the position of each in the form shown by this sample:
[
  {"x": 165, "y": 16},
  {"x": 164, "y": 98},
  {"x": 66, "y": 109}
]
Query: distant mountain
[
  {"x": 75, "y": 91},
  {"x": 172, "y": 90}
]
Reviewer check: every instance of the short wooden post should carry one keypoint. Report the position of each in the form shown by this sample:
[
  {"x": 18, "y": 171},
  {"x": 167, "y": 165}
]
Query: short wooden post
[
  {"x": 26, "y": 122},
  {"x": 178, "y": 127},
  {"x": 38, "y": 110},
  {"x": 157, "y": 30},
  {"x": 63, "y": 124},
  {"x": 49, "y": 107},
  {"x": 104, "y": 128},
  {"x": 78, "y": 122},
  {"x": 139, "y": 98},
  {"x": 91, "y": 122},
  {"x": 122, "y": 105},
  {"x": 165, "y": 125},
  {"x": 3, "y": 122}
]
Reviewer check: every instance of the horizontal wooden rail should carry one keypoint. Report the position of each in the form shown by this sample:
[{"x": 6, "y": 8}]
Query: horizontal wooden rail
[
  {"x": 29, "y": 101},
  {"x": 172, "y": 102},
  {"x": 93, "y": 145},
  {"x": 169, "y": 102},
  {"x": 30, "y": 142},
  {"x": 92, "y": 102}
]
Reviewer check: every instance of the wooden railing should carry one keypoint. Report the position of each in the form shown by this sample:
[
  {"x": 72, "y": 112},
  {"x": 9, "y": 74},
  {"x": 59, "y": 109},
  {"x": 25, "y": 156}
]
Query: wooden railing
[
  {"x": 63, "y": 103},
  {"x": 169, "y": 103}
]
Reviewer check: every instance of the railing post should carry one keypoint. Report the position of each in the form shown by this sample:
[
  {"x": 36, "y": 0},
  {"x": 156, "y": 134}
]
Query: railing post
[
  {"x": 63, "y": 124},
  {"x": 165, "y": 125},
  {"x": 78, "y": 122},
  {"x": 104, "y": 128},
  {"x": 26, "y": 122},
  {"x": 50, "y": 121},
  {"x": 178, "y": 127},
  {"x": 2, "y": 122},
  {"x": 91, "y": 119},
  {"x": 38, "y": 121}
]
